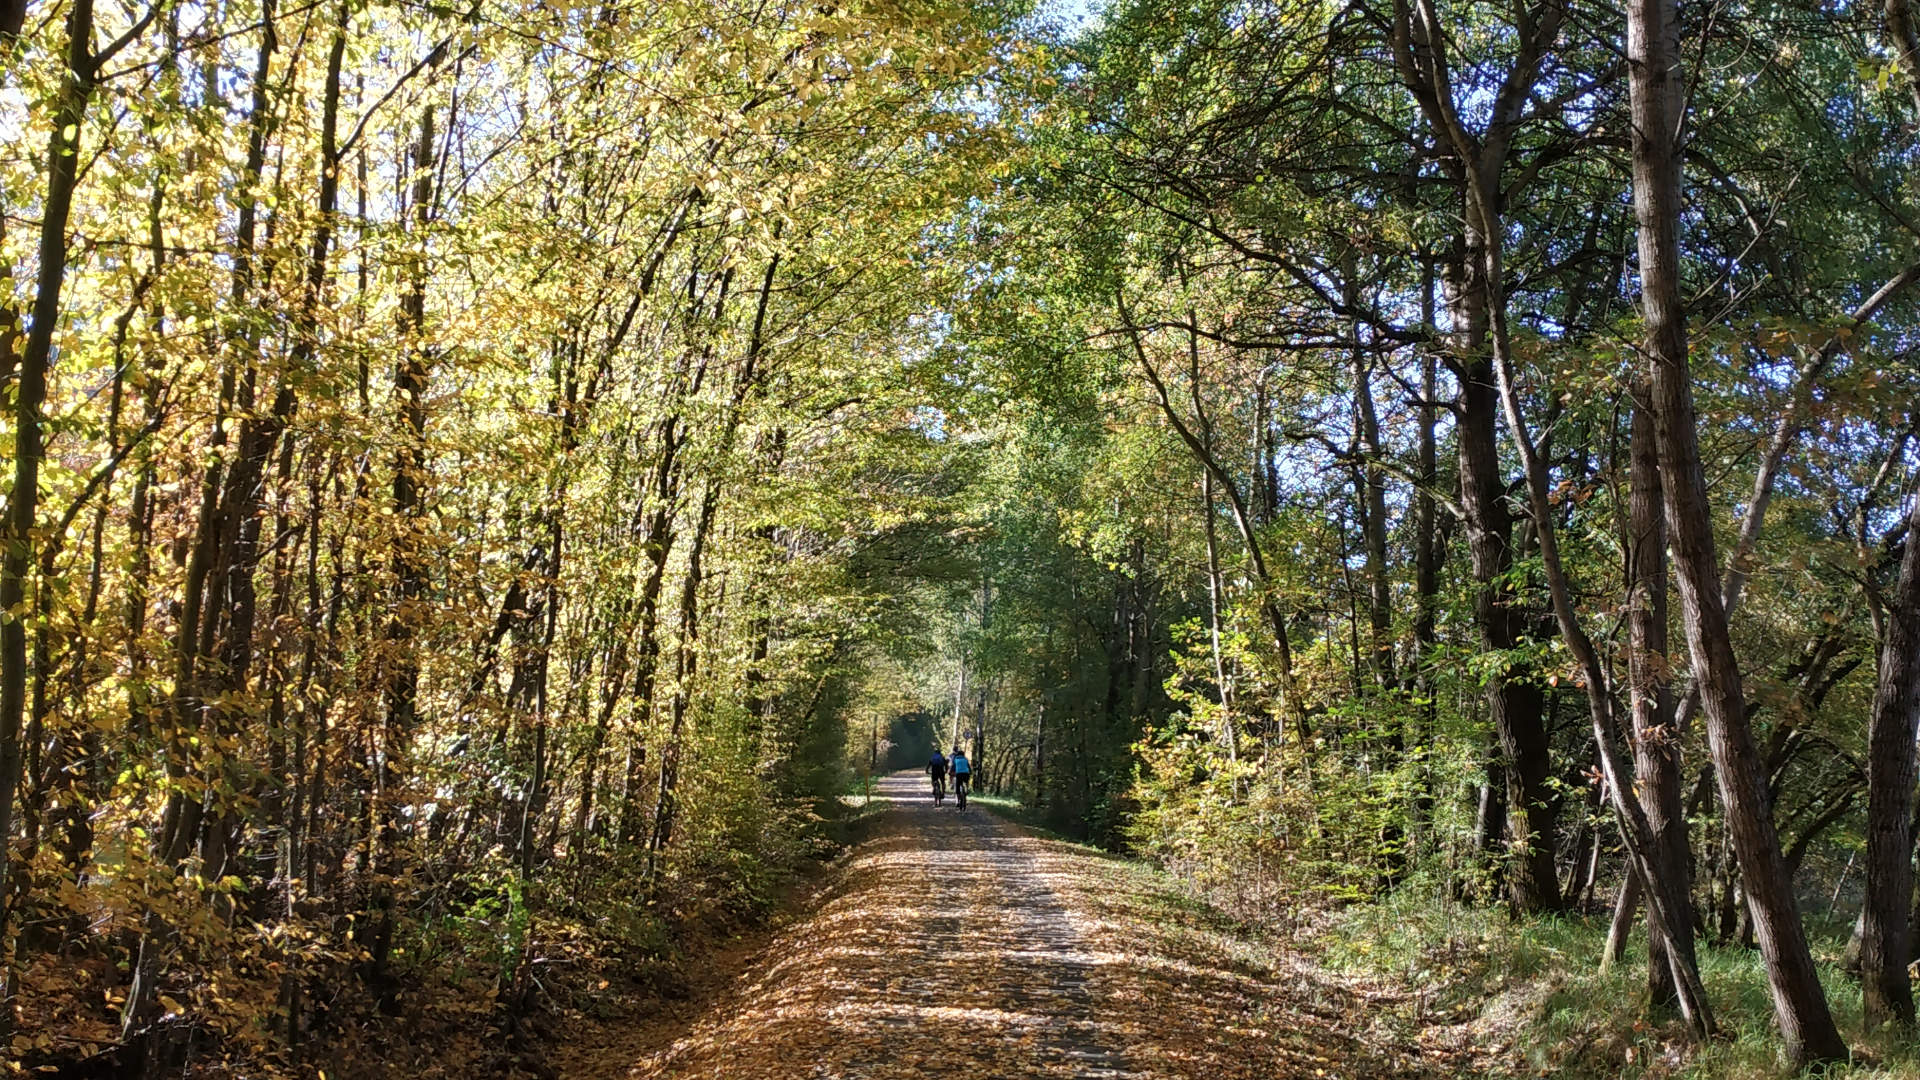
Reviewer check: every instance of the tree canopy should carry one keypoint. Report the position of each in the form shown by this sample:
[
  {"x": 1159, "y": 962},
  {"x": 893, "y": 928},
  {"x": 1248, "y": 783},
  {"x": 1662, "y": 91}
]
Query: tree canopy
[{"x": 487, "y": 478}]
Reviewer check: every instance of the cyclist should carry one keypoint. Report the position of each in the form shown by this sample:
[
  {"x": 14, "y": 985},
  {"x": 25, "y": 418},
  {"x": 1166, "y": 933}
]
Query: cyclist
[
  {"x": 962, "y": 771},
  {"x": 937, "y": 769}
]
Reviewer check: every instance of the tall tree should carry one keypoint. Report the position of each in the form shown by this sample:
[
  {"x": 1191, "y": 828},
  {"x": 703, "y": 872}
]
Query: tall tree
[
  {"x": 1656, "y": 89},
  {"x": 1886, "y": 912}
]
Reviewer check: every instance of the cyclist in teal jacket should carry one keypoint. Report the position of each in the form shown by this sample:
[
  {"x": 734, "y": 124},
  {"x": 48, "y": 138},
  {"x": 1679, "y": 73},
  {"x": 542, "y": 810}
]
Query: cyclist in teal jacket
[{"x": 962, "y": 771}]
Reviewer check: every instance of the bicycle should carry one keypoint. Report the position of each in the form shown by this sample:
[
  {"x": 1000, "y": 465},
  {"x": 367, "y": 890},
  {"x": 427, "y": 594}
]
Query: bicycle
[
  {"x": 960, "y": 791},
  {"x": 939, "y": 790}
]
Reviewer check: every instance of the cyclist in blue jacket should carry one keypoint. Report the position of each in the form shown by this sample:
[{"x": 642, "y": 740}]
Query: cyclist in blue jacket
[{"x": 937, "y": 769}]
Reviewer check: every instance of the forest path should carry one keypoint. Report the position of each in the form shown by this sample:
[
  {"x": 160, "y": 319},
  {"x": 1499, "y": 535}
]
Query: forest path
[{"x": 955, "y": 942}]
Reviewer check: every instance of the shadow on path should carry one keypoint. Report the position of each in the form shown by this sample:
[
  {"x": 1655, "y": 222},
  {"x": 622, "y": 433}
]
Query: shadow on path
[{"x": 956, "y": 944}]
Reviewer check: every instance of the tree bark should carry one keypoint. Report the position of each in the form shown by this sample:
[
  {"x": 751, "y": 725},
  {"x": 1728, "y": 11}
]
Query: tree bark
[
  {"x": 1216, "y": 598},
  {"x": 1655, "y": 88},
  {"x": 1428, "y": 551},
  {"x": 401, "y": 692},
  {"x": 1370, "y": 498},
  {"x": 1886, "y": 930},
  {"x": 1665, "y": 905},
  {"x": 1514, "y": 698},
  {"x": 1625, "y": 903},
  {"x": 23, "y": 503},
  {"x": 1477, "y": 298},
  {"x": 1656, "y": 748},
  {"x": 1905, "y": 40},
  {"x": 666, "y": 805},
  {"x": 661, "y": 504}
]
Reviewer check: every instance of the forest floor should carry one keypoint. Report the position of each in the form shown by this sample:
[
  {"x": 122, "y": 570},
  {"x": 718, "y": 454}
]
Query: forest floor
[{"x": 952, "y": 940}]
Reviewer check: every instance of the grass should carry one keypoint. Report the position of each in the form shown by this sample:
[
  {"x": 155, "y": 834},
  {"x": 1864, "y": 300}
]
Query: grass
[
  {"x": 1011, "y": 808},
  {"x": 1529, "y": 993}
]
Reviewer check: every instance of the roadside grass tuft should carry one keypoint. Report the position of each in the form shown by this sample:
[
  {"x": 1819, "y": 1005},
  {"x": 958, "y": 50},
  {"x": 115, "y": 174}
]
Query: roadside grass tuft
[{"x": 1527, "y": 998}]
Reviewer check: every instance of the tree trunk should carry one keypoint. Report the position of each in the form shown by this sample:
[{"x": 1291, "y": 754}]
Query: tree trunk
[
  {"x": 1656, "y": 747},
  {"x": 1664, "y": 902},
  {"x": 666, "y": 807},
  {"x": 1477, "y": 298},
  {"x": 63, "y": 156},
  {"x": 1655, "y": 90},
  {"x": 1514, "y": 699},
  {"x": 401, "y": 692},
  {"x": 1625, "y": 903},
  {"x": 1905, "y": 42},
  {"x": 1428, "y": 550},
  {"x": 660, "y": 536},
  {"x": 1885, "y": 933},
  {"x": 1229, "y": 731},
  {"x": 1371, "y": 499}
]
